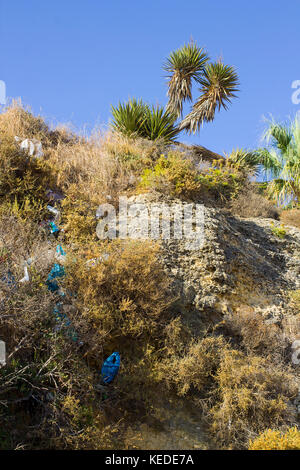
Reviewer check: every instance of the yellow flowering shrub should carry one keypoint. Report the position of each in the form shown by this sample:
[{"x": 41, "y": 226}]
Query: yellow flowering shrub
[{"x": 277, "y": 440}]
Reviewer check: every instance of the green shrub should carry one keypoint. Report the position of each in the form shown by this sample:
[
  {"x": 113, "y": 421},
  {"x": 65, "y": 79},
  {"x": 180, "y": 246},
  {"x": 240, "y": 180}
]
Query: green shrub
[
  {"x": 279, "y": 232},
  {"x": 179, "y": 177},
  {"x": 277, "y": 440}
]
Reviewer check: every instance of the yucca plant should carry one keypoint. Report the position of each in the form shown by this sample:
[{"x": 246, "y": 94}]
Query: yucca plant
[
  {"x": 128, "y": 118},
  {"x": 183, "y": 65},
  {"x": 159, "y": 124},
  {"x": 219, "y": 83},
  {"x": 137, "y": 119}
]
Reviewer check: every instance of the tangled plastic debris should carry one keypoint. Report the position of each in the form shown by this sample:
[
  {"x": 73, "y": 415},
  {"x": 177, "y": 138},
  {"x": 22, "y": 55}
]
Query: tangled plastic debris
[
  {"x": 56, "y": 272},
  {"x": 54, "y": 228},
  {"x": 60, "y": 254},
  {"x": 94, "y": 261},
  {"x": 110, "y": 368},
  {"x": 63, "y": 320}
]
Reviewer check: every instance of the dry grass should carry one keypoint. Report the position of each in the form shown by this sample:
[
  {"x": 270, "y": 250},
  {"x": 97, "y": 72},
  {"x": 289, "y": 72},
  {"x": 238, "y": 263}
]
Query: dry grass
[
  {"x": 124, "y": 296},
  {"x": 252, "y": 394},
  {"x": 88, "y": 165},
  {"x": 255, "y": 336},
  {"x": 194, "y": 370},
  {"x": 290, "y": 217},
  {"x": 249, "y": 203}
]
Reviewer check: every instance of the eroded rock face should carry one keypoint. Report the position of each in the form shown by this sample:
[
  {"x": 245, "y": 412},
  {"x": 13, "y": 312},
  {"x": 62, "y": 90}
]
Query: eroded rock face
[{"x": 242, "y": 262}]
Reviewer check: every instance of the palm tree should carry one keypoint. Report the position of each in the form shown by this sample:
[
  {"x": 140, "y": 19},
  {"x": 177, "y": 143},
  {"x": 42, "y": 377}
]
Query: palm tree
[
  {"x": 218, "y": 84},
  {"x": 279, "y": 160}
]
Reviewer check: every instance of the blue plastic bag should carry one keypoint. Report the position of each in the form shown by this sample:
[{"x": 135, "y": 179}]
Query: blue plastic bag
[
  {"x": 56, "y": 271},
  {"x": 110, "y": 368}
]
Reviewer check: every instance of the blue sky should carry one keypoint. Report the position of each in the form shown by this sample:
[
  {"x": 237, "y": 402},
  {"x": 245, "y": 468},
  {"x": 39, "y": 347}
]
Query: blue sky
[{"x": 71, "y": 59}]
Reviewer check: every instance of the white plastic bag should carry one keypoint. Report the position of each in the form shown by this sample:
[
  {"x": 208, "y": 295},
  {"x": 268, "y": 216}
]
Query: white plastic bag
[
  {"x": 2, "y": 353},
  {"x": 26, "y": 275}
]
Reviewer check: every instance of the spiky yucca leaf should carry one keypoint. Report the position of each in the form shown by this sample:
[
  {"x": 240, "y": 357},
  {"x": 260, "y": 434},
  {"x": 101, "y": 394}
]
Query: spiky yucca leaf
[
  {"x": 159, "y": 124},
  {"x": 128, "y": 118},
  {"x": 244, "y": 159},
  {"x": 183, "y": 65},
  {"x": 137, "y": 119},
  {"x": 219, "y": 83}
]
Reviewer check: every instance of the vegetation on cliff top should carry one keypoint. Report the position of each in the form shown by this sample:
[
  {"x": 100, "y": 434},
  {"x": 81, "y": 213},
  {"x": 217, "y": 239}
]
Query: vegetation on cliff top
[{"x": 49, "y": 390}]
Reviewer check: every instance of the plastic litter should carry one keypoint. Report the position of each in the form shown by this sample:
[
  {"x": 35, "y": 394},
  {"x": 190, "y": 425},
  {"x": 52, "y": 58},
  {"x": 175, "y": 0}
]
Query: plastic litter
[
  {"x": 26, "y": 275},
  {"x": 9, "y": 279},
  {"x": 2, "y": 353},
  {"x": 64, "y": 319},
  {"x": 94, "y": 261},
  {"x": 32, "y": 146},
  {"x": 54, "y": 211},
  {"x": 53, "y": 228},
  {"x": 53, "y": 195},
  {"x": 29, "y": 261},
  {"x": 59, "y": 315},
  {"x": 60, "y": 254},
  {"x": 110, "y": 368},
  {"x": 56, "y": 271}
]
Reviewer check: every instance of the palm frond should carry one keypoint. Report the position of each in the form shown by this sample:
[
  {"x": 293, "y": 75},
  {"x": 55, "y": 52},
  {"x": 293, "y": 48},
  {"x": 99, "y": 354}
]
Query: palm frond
[
  {"x": 281, "y": 160},
  {"x": 280, "y": 190},
  {"x": 183, "y": 65},
  {"x": 219, "y": 83},
  {"x": 278, "y": 135},
  {"x": 270, "y": 161}
]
